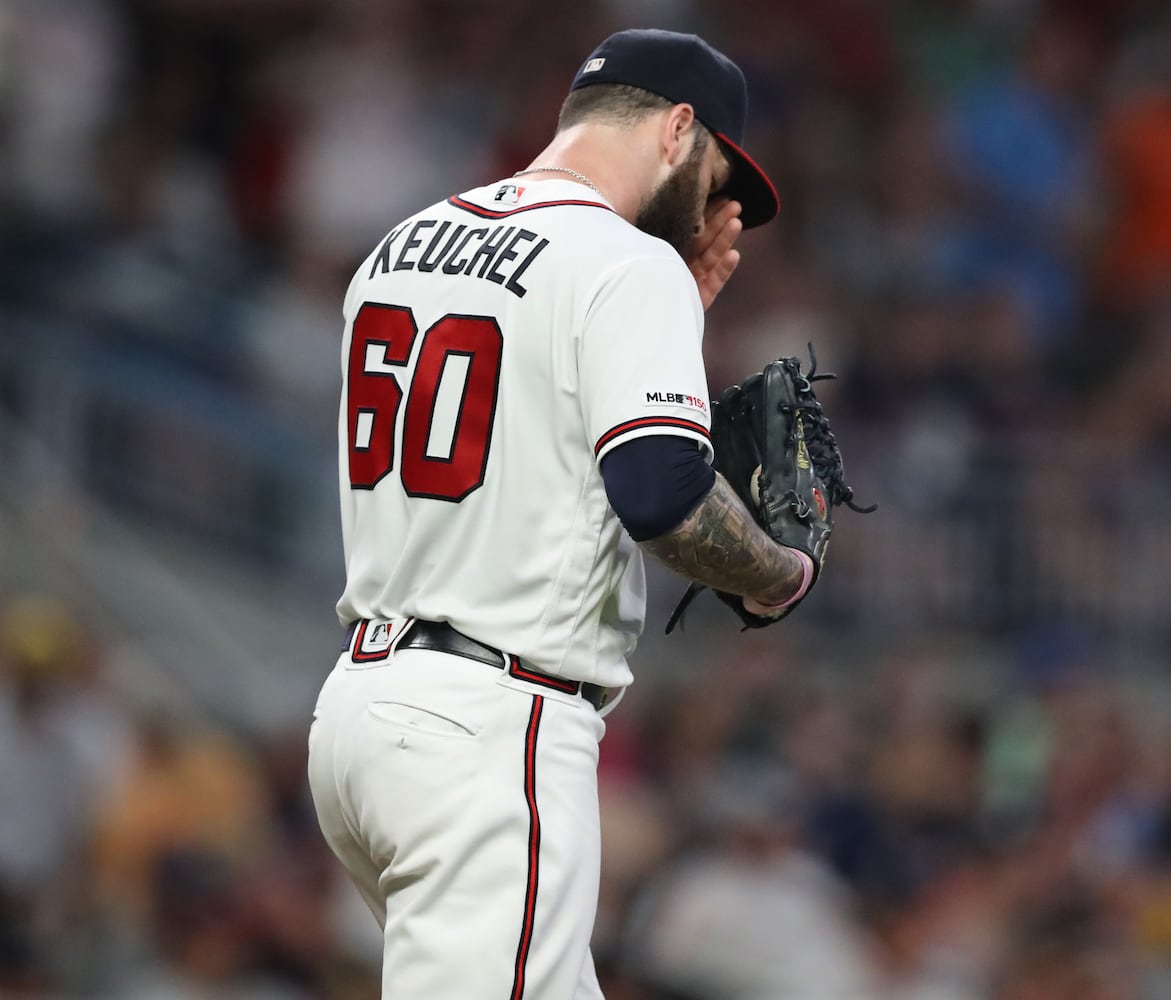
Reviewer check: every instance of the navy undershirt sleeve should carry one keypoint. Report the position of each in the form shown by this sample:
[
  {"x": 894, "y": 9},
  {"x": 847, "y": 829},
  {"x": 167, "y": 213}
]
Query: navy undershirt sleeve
[{"x": 654, "y": 482}]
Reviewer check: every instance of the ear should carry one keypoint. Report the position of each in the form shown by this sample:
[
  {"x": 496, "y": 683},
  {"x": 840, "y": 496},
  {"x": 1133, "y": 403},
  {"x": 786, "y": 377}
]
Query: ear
[{"x": 679, "y": 122}]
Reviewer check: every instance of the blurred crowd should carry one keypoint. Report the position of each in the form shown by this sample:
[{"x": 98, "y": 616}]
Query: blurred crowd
[
  {"x": 153, "y": 854},
  {"x": 943, "y": 822},
  {"x": 976, "y": 234},
  {"x": 977, "y": 193}
]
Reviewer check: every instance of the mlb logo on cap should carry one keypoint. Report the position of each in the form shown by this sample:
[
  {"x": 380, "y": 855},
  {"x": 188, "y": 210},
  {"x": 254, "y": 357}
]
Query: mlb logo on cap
[{"x": 593, "y": 65}]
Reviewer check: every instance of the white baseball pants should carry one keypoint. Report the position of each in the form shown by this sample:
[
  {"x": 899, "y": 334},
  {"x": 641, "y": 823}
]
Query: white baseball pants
[{"x": 463, "y": 803}]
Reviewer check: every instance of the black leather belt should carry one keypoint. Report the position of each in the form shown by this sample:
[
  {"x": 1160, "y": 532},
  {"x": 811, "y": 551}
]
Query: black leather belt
[{"x": 442, "y": 638}]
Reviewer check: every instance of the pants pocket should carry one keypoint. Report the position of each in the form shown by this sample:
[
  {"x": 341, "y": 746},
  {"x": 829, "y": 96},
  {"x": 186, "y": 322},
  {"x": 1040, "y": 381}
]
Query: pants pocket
[{"x": 416, "y": 719}]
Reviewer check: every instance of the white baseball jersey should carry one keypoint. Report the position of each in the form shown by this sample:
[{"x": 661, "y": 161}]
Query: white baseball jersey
[{"x": 497, "y": 345}]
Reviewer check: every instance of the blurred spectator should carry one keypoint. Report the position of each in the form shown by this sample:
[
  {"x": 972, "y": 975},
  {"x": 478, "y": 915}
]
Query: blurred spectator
[
  {"x": 1132, "y": 131},
  {"x": 198, "y": 912},
  {"x": 188, "y": 788},
  {"x": 1136, "y": 253},
  {"x": 45, "y": 816},
  {"x": 64, "y": 745},
  {"x": 52, "y": 120},
  {"x": 369, "y": 140},
  {"x": 1021, "y": 144},
  {"x": 755, "y": 915}
]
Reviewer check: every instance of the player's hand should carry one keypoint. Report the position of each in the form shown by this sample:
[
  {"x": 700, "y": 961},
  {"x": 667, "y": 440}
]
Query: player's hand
[{"x": 713, "y": 258}]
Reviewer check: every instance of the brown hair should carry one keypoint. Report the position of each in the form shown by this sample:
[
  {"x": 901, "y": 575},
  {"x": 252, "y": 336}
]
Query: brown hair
[{"x": 613, "y": 103}]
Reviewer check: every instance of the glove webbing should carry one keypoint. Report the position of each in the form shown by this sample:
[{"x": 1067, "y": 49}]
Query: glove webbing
[{"x": 819, "y": 439}]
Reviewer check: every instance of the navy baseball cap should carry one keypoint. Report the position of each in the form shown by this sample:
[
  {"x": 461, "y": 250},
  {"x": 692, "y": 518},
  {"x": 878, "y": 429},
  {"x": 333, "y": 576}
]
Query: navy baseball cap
[{"x": 686, "y": 70}]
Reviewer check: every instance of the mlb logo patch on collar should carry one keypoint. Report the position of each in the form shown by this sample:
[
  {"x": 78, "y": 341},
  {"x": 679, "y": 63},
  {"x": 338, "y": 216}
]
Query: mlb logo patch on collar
[{"x": 508, "y": 194}]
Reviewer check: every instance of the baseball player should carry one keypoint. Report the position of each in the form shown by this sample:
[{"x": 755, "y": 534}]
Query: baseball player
[{"x": 524, "y": 411}]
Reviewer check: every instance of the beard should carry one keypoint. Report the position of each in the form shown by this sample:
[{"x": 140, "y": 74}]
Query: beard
[{"x": 674, "y": 212}]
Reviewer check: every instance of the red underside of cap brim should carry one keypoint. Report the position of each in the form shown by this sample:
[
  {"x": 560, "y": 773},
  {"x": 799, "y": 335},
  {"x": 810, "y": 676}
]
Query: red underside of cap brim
[{"x": 750, "y": 186}]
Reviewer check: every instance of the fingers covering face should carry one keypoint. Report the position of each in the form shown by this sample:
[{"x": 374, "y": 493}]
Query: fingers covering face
[
  {"x": 713, "y": 257},
  {"x": 721, "y": 229}
]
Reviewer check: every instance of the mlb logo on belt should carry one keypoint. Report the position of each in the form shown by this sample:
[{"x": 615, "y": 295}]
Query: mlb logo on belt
[{"x": 374, "y": 639}]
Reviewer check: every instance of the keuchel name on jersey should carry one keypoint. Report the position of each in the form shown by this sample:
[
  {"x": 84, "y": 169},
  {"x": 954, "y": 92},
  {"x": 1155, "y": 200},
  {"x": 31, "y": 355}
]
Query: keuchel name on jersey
[{"x": 481, "y": 252}]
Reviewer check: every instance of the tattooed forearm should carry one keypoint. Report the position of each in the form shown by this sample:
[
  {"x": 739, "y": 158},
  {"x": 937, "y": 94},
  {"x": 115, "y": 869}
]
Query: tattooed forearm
[{"x": 720, "y": 545}]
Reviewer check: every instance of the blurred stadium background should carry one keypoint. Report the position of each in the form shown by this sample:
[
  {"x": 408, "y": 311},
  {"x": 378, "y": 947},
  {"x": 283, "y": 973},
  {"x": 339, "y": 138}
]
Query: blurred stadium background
[{"x": 948, "y": 778}]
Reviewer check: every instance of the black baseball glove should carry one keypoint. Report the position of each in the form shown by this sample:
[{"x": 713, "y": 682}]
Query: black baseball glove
[{"x": 774, "y": 445}]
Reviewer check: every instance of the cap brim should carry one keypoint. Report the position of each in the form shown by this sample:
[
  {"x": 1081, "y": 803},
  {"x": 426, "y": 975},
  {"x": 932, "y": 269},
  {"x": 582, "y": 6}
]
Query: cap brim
[{"x": 750, "y": 186}]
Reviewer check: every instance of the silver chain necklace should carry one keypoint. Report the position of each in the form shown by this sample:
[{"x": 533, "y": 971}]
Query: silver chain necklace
[{"x": 561, "y": 170}]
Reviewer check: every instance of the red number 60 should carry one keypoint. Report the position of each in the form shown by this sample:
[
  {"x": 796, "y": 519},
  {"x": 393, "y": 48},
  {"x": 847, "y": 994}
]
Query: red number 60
[{"x": 458, "y": 372}]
